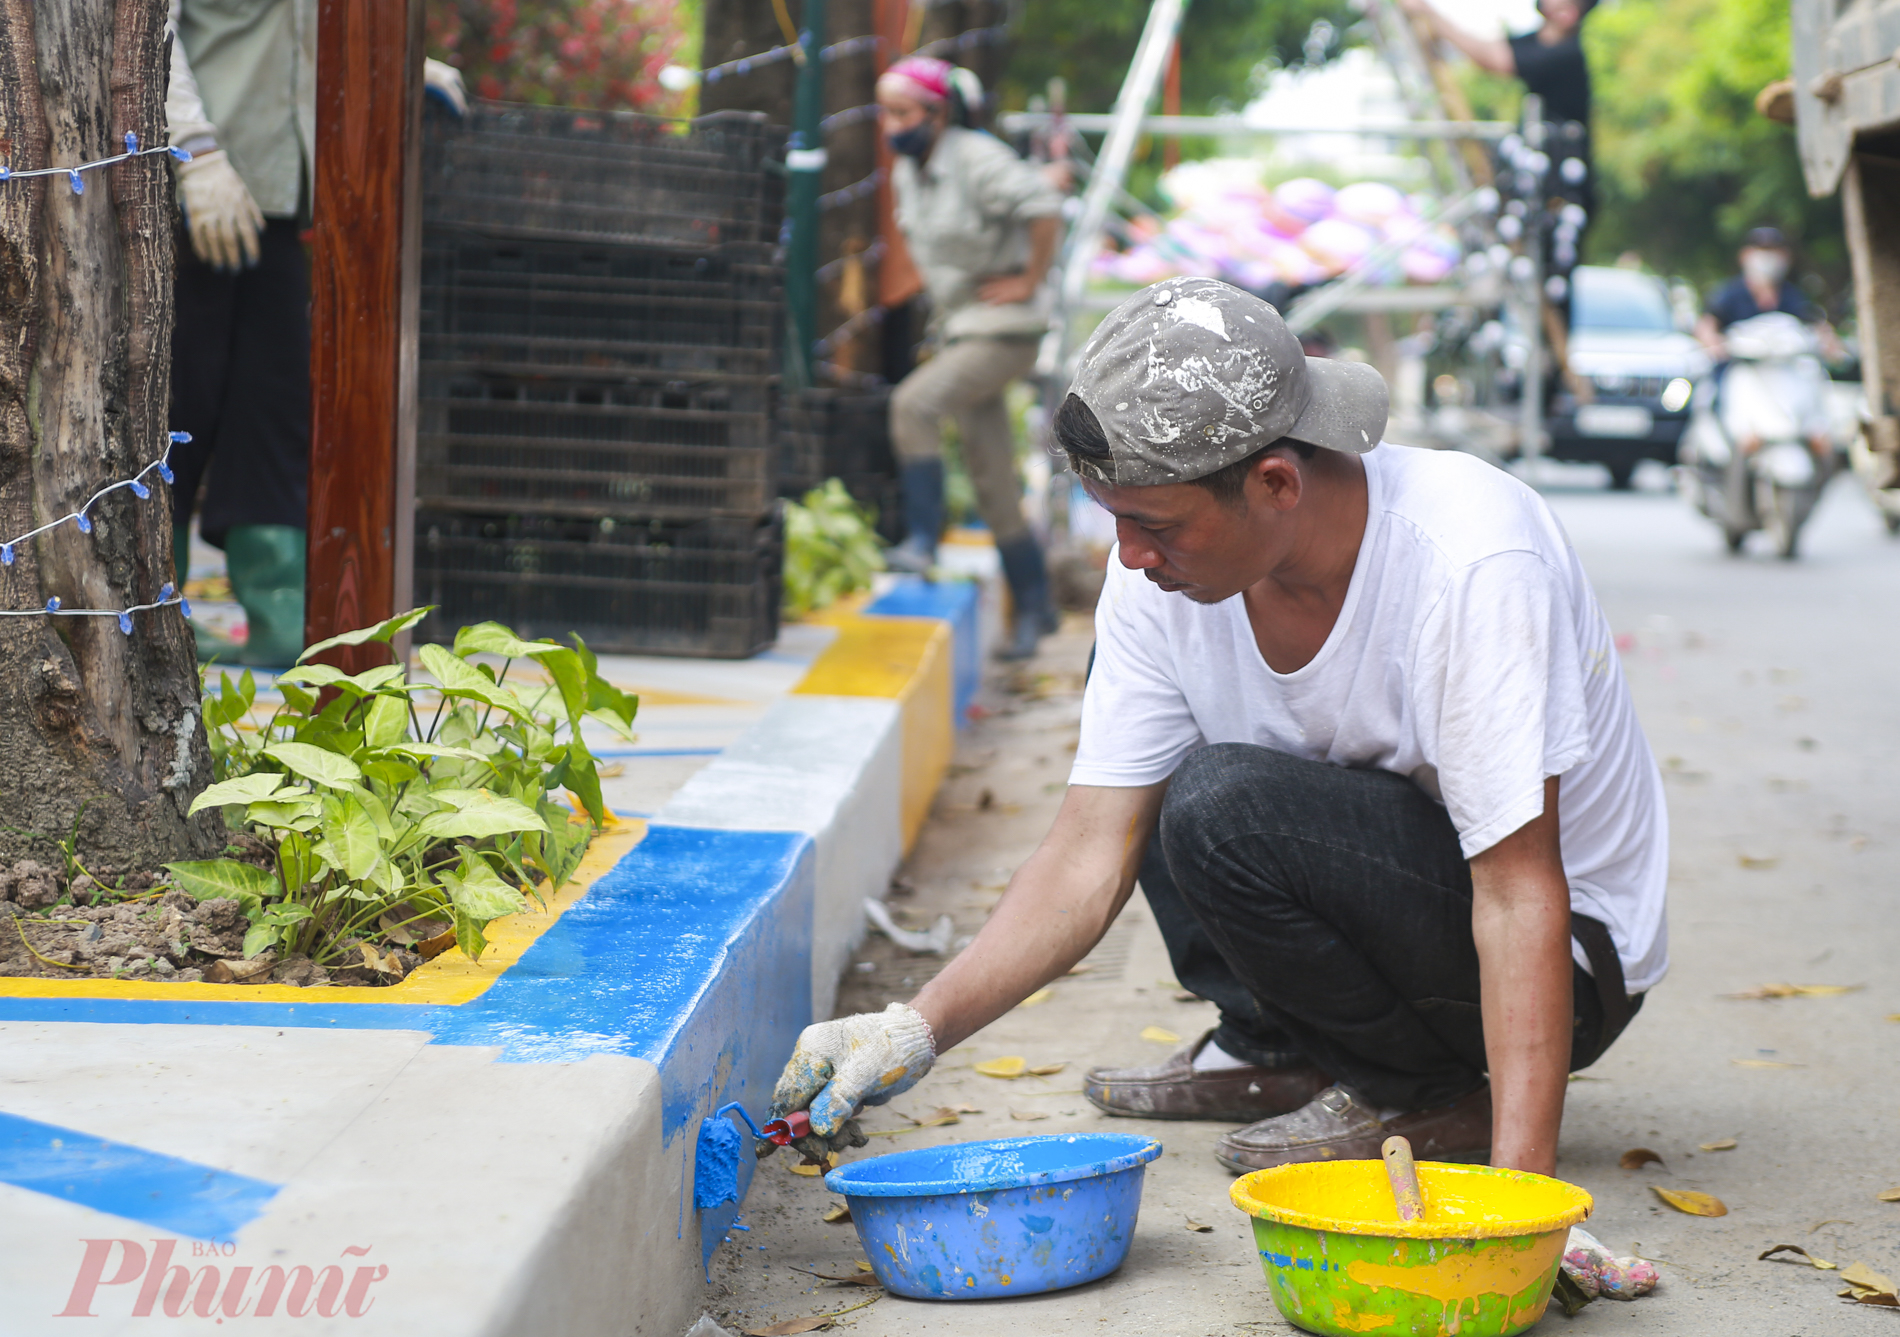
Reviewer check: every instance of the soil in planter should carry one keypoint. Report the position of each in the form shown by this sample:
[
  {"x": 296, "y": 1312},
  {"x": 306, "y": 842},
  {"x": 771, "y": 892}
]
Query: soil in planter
[{"x": 146, "y": 930}]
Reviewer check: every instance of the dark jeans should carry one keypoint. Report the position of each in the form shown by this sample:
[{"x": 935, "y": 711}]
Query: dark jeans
[
  {"x": 241, "y": 387},
  {"x": 1327, "y": 912}
]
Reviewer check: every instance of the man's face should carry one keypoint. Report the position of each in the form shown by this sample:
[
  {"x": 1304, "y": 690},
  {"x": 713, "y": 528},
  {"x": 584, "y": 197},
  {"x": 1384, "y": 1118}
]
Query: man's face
[
  {"x": 1192, "y": 543},
  {"x": 1564, "y": 15}
]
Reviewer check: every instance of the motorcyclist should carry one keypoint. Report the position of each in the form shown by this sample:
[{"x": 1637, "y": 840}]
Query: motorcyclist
[
  {"x": 1763, "y": 286},
  {"x": 981, "y": 225}
]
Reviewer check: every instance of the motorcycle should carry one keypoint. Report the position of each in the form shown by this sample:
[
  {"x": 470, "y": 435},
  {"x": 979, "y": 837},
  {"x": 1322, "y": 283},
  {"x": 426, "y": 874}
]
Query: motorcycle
[{"x": 1746, "y": 454}]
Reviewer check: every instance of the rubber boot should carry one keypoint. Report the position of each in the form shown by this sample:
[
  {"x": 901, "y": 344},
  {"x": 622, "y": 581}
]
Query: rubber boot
[
  {"x": 267, "y": 574},
  {"x": 1028, "y": 578},
  {"x": 923, "y": 517}
]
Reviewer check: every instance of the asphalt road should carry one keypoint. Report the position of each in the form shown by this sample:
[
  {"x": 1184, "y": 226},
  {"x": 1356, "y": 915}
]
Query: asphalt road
[{"x": 1768, "y": 693}]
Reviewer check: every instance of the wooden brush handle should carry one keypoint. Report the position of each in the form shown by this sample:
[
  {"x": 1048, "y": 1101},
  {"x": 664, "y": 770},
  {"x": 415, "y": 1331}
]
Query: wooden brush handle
[{"x": 1403, "y": 1172}]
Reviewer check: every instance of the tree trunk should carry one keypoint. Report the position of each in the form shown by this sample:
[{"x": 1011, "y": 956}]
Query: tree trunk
[{"x": 90, "y": 718}]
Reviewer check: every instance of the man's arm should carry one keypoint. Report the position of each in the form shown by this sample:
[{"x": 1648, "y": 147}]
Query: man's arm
[
  {"x": 1488, "y": 53},
  {"x": 1058, "y": 906},
  {"x": 1043, "y": 234},
  {"x": 1520, "y": 917}
]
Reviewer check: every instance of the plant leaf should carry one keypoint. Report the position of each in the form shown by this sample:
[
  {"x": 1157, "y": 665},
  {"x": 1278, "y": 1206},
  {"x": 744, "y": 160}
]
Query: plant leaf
[
  {"x": 359, "y": 684},
  {"x": 299, "y": 814},
  {"x": 1007, "y": 1068},
  {"x": 1688, "y": 1200},
  {"x": 460, "y": 678},
  {"x": 353, "y": 836},
  {"x": 386, "y": 722},
  {"x": 478, "y": 814},
  {"x": 211, "y": 879},
  {"x": 244, "y": 789},
  {"x": 583, "y": 780},
  {"x": 260, "y": 937},
  {"x": 384, "y": 631},
  {"x": 315, "y": 763},
  {"x": 481, "y": 895},
  {"x": 613, "y": 721},
  {"x": 491, "y": 638}
]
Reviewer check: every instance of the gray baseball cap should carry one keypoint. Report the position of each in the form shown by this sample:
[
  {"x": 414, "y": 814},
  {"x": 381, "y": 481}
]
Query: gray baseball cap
[{"x": 1191, "y": 375}]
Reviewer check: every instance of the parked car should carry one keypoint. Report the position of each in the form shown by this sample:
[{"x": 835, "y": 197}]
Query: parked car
[{"x": 1640, "y": 365}]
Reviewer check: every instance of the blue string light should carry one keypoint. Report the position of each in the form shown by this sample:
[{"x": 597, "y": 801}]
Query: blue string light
[
  {"x": 168, "y": 596},
  {"x": 132, "y": 150}
]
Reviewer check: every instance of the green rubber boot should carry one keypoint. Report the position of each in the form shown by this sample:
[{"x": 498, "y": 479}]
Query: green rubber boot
[{"x": 266, "y": 563}]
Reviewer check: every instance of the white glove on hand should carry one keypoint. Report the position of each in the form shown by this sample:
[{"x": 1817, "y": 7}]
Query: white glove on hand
[
  {"x": 223, "y": 219},
  {"x": 853, "y": 1061},
  {"x": 444, "y": 81}
]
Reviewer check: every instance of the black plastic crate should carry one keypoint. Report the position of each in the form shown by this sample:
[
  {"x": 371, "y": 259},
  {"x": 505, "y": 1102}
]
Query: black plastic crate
[
  {"x": 562, "y": 172},
  {"x": 629, "y": 447},
  {"x": 709, "y": 587},
  {"x": 592, "y": 309},
  {"x": 834, "y": 434}
]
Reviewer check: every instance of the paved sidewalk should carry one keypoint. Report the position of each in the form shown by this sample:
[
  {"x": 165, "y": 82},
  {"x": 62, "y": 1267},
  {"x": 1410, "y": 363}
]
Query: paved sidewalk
[{"x": 1766, "y": 692}]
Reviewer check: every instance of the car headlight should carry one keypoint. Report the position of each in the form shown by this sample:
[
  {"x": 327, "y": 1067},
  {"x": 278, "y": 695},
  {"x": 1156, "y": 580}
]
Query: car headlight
[{"x": 1677, "y": 394}]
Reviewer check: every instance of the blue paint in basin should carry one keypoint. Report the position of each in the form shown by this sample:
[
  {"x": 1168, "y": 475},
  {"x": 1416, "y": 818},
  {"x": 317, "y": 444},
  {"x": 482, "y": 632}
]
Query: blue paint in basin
[{"x": 978, "y": 1220}]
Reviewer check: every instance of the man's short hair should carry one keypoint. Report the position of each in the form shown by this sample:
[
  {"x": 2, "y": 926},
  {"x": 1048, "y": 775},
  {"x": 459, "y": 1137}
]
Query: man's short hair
[{"x": 1080, "y": 434}]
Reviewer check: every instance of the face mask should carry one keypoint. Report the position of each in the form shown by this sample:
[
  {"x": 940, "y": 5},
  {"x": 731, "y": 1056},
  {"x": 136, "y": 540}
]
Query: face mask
[
  {"x": 1765, "y": 266},
  {"x": 914, "y": 142}
]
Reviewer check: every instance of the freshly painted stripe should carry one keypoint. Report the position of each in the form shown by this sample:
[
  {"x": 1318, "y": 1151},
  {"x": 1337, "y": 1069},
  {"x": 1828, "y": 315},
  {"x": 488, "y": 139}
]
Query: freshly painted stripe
[
  {"x": 956, "y": 602},
  {"x": 624, "y": 970},
  {"x": 149, "y": 1187}
]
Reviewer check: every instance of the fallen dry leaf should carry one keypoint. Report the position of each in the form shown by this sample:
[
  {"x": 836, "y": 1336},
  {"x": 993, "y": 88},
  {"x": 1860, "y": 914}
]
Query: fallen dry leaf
[
  {"x": 815, "y": 1323},
  {"x": 1080, "y": 968},
  {"x": 1720, "y": 1144},
  {"x": 1806, "y": 1257},
  {"x": 1186, "y": 997},
  {"x": 1868, "y": 1287},
  {"x": 813, "y": 1170},
  {"x": 1688, "y": 1200},
  {"x": 838, "y": 1213},
  {"x": 1763, "y": 1063},
  {"x": 1197, "y": 1227},
  {"x": 1796, "y": 991},
  {"x": 1047, "y": 1070},
  {"x": 430, "y": 948},
  {"x": 1039, "y": 996},
  {"x": 1637, "y": 1157},
  {"x": 1008, "y": 1067},
  {"x": 958, "y": 1109},
  {"x": 1831, "y": 1221},
  {"x": 1159, "y": 1036},
  {"x": 1028, "y": 1116},
  {"x": 852, "y": 1279},
  {"x": 1888, "y": 1195},
  {"x": 863, "y": 1266},
  {"x": 1758, "y": 860}
]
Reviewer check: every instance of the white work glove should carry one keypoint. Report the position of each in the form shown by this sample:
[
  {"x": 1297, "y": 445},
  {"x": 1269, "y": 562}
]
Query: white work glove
[
  {"x": 444, "y": 82},
  {"x": 839, "y": 1066},
  {"x": 223, "y": 219}
]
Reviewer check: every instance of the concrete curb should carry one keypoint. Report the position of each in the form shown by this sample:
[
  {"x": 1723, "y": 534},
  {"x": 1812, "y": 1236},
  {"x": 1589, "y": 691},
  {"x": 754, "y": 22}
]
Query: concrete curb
[{"x": 511, "y": 1153}]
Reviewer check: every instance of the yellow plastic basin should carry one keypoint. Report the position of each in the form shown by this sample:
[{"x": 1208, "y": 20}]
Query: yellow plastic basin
[{"x": 1339, "y": 1261}]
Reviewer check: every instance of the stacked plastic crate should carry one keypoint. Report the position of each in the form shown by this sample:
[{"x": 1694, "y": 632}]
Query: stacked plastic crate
[
  {"x": 843, "y": 434},
  {"x": 601, "y": 324}
]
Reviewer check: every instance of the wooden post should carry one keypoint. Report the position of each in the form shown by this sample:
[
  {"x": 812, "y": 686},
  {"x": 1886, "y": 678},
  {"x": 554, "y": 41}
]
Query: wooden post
[{"x": 368, "y": 225}]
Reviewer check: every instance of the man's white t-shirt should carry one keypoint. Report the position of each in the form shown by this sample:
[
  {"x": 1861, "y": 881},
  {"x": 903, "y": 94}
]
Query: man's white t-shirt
[{"x": 1470, "y": 655}]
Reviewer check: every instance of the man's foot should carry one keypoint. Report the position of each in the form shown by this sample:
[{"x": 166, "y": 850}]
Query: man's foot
[
  {"x": 1335, "y": 1126},
  {"x": 1174, "y": 1090}
]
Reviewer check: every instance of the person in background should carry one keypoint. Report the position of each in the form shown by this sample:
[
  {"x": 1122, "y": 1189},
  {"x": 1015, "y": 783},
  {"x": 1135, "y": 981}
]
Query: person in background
[
  {"x": 1550, "y": 61},
  {"x": 1762, "y": 286},
  {"x": 981, "y": 225},
  {"x": 242, "y": 102}
]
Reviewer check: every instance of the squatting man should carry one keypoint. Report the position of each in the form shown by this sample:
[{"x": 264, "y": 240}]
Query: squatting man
[{"x": 1356, "y": 724}]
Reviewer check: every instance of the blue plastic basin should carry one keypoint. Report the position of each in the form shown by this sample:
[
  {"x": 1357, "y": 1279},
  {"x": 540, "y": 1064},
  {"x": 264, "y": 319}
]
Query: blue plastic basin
[{"x": 975, "y": 1220}]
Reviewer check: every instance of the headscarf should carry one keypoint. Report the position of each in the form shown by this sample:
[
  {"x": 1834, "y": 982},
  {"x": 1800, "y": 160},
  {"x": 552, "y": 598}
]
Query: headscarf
[{"x": 921, "y": 78}]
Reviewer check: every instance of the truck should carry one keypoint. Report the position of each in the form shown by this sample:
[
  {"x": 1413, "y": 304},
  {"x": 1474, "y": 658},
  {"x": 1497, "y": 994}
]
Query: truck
[{"x": 1844, "y": 99}]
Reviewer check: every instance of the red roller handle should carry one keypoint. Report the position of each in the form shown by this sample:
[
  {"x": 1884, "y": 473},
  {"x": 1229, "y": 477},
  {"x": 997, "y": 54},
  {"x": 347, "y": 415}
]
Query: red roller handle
[{"x": 782, "y": 1132}]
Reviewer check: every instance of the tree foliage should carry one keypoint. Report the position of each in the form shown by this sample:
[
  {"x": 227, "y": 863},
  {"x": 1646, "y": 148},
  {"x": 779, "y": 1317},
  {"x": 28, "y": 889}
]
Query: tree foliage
[
  {"x": 1223, "y": 43},
  {"x": 1685, "y": 163},
  {"x": 604, "y": 54}
]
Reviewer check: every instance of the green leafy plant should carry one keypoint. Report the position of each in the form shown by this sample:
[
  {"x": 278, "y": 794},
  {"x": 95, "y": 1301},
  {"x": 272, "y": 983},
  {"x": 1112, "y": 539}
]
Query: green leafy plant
[
  {"x": 395, "y": 808},
  {"x": 831, "y": 548}
]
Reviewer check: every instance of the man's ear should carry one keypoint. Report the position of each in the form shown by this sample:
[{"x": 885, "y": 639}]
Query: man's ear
[{"x": 1279, "y": 479}]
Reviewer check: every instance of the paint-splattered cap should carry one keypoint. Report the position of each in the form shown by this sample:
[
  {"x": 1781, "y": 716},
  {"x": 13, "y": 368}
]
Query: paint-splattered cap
[{"x": 1192, "y": 375}]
